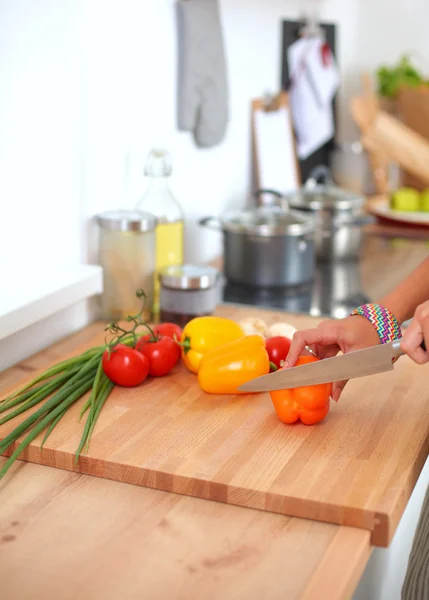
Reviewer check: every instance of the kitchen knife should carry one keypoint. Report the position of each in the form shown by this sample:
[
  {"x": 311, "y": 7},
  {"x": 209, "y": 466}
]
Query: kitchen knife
[{"x": 360, "y": 363}]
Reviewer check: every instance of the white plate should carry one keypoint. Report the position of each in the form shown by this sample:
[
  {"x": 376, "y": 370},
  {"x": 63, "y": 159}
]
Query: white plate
[{"x": 380, "y": 207}]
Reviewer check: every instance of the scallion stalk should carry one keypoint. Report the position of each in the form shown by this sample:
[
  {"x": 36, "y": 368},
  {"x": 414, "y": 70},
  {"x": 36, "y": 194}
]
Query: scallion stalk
[
  {"x": 83, "y": 388},
  {"x": 59, "y": 387}
]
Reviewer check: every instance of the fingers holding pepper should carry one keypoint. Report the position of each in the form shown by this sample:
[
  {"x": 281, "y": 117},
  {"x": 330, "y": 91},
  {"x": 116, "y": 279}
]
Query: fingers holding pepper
[{"x": 331, "y": 337}]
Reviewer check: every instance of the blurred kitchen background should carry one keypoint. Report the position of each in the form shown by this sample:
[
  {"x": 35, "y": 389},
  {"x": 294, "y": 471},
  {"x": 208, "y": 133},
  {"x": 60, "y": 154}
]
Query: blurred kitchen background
[{"x": 89, "y": 88}]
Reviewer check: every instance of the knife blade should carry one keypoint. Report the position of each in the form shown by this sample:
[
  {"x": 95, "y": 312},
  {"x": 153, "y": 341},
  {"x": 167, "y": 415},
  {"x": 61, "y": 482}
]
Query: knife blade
[{"x": 370, "y": 361}]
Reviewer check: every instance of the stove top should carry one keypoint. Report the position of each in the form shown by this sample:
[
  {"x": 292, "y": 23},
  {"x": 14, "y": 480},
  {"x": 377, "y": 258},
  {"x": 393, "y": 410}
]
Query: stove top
[{"x": 334, "y": 292}]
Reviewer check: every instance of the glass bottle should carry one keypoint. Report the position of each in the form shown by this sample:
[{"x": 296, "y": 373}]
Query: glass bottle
[{"x": 159, "y": 200}]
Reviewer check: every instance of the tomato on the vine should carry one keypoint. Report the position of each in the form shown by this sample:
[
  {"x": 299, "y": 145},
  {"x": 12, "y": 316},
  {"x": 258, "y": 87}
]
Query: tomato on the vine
[
  {"x": 162, "y": 351},
  {"x": 169, "y": 330},
  {"x": 125, "y": 366},
  {"x": 278, "y": 348}
]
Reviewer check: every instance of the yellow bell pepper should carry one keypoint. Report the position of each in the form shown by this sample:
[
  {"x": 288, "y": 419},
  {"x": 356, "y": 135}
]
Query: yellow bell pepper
[
  {"x": 225, "y": 369},
  {"x": 203, "y": 334}
]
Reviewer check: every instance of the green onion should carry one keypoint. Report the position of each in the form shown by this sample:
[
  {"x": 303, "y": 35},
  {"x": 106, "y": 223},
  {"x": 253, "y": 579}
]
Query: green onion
[
  {"x": 59, "y": 387},
  {"x": 105, "y": 389},
  {"x": 104, "y": 394},
  {"x": 52, "y": 426},
  {"x": 4, "y": 403},
  {"x": 41, "y": 425},
  {"x": 95, "y": 386},
  {"x": 58, "y": 368},
  {"x": 33, "y": 398},
  {"x": 56, "y": 400}
]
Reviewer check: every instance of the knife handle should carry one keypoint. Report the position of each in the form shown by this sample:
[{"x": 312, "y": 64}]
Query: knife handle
[{"x": 396, "y": 345}]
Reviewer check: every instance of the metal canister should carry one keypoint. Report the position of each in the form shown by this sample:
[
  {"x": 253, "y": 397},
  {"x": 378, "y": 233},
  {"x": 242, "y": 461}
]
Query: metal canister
[
  {"x": 188, "y": 291},
  {"x": 127, "y": 255}
]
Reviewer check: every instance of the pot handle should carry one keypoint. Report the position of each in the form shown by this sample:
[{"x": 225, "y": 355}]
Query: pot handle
[
  {"x": 211, "y": 223},
  {"x": 320, "y": 172},
  {"x": 268, "y": 191},
  {"x": 283, "y": 203}
]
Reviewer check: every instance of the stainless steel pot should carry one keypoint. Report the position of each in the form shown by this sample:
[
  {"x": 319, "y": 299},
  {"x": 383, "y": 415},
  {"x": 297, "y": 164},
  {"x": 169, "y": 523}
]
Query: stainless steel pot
[
  {"x": 266, "y": 246},
  {"x": 337, "y": 289},
  {"x": 339, "y": 215}
]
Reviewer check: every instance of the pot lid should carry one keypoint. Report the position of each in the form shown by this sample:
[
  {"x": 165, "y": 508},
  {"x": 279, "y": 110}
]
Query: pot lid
[
  {"x": 317, "y": 196},
  {"x": 268, "y": 221}
]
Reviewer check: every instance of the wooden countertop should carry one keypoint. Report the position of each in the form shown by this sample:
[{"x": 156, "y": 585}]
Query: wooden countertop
[
  {"x": 385, "y": 262},
  {"x": 65, "y": 535}
]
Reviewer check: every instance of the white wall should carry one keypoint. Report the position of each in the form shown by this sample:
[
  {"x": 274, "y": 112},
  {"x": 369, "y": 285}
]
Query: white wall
[
  {"x": 83, "y": 84},
  {"x": 40, "y": 131}
]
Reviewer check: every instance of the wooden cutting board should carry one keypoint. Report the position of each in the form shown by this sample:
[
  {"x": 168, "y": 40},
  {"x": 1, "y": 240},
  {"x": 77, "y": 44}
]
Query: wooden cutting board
[{"x": 358, "y": 467}]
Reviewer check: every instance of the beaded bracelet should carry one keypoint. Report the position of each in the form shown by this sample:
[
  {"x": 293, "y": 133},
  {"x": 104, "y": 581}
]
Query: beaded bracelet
[{"x": 382, "y": 319}]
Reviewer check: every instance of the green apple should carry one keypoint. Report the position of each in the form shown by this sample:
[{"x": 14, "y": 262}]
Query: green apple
[
  {"x": 424, "y": 200},
  {"x": 405, "y": 200}
]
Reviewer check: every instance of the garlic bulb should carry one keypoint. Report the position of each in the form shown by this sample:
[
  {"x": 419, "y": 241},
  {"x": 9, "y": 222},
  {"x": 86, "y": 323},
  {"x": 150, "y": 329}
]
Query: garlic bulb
[
  {"x": 282, "y": 329},
  {"x": 254, "y": 326}
]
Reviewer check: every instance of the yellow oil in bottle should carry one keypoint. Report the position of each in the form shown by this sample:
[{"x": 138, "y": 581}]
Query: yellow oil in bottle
[
  {"x": 169, "y": 251},
  {"x": 159, "y": 201}
]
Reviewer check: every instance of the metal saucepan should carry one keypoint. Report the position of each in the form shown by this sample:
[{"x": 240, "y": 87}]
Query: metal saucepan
[
  {"x": 267, "y": 246},
  {"x": 339, "y": 215}
]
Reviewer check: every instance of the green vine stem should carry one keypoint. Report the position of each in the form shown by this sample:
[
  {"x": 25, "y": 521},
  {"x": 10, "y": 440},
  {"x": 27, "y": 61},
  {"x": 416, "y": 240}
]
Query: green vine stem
[{"x": 120, "y": 334}]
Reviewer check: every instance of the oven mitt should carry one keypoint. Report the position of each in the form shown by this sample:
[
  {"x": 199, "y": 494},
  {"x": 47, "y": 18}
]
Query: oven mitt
[{"x": 203, "y": 90}]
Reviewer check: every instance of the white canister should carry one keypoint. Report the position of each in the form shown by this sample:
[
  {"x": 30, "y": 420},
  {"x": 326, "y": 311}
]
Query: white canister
[{"x": 127, "y": 254}]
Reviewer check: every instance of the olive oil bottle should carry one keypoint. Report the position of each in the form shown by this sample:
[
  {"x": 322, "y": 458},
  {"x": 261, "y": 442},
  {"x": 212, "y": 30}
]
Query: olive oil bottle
[{"x": 159, "y": 200}]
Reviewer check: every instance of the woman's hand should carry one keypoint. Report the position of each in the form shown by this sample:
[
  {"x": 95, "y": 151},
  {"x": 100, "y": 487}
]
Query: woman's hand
[
  {"x": 330, "y": 337},
  {"x": 416, "y": 333}
]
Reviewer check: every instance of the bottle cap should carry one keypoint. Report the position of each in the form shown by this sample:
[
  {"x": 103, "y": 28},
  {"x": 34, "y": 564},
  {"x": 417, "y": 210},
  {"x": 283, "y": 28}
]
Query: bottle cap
[{"x": 158, "y": 163}]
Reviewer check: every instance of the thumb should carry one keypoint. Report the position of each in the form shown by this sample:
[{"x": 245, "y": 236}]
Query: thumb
[{"x": 337, "y": 389}]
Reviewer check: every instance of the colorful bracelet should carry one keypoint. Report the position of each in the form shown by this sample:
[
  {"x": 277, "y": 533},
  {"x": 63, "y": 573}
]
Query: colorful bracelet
[{"x": 382, "y": 319}]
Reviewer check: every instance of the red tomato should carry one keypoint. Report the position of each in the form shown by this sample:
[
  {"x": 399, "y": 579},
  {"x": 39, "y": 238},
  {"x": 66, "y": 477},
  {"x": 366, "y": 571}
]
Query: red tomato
[
  {"x": 162, "y": 354},
  {"x": 125, "y": 366},
  {"x": 277, "y": 348},
  {"x": 169, "y": 330},
  {"x": 145, "y": 339}
]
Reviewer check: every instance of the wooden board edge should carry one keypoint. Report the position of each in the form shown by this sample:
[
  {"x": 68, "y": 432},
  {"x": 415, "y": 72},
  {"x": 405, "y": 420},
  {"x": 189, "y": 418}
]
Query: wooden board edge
[
  {"x": 360, "y": 519},
  {"x": 386, "y": 525},
  {"x": 383, "y": 530},
  {"x": 340, "y": 570}
]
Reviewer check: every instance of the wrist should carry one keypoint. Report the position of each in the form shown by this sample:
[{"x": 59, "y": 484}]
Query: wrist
[
  {"x": 363, "y": 329},
  {"x": 398, "y": 307},
  {"x": 382, "y": 319}
]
